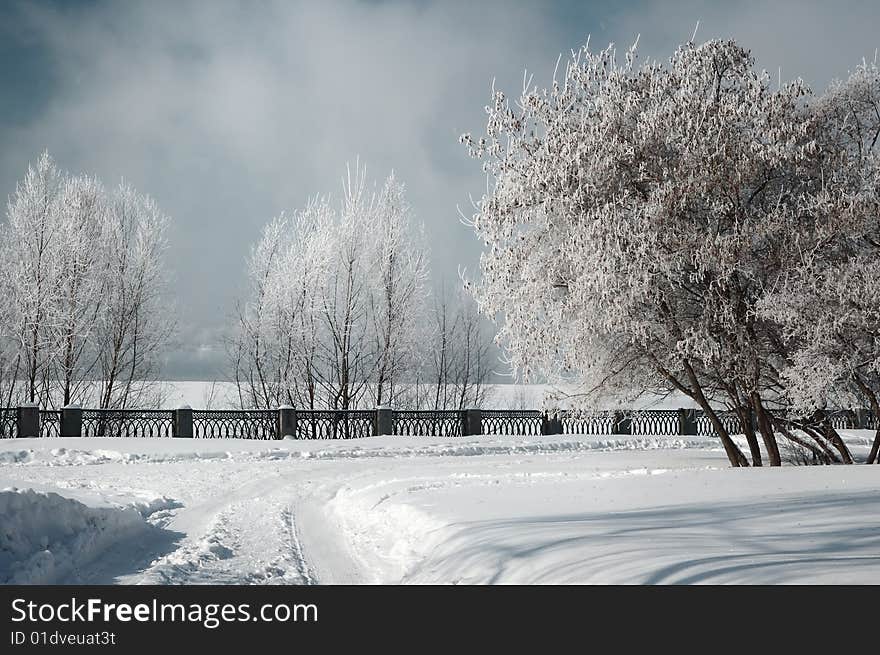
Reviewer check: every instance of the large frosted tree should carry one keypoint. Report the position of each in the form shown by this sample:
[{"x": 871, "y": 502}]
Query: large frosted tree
[{"x": 638, "y": 215}]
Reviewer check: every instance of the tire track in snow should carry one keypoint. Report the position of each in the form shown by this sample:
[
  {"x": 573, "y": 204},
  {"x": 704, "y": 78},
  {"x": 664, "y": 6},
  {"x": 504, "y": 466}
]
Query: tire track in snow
[{"x": 299, "y": 560}]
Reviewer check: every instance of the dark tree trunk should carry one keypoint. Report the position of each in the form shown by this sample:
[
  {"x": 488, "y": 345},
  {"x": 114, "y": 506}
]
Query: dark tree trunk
[
  {"x": 872, "y": 456},
  {"x": 818, "y": 454},
  {"x": 766, "y": 429},
  {"x": 834, "y": 438},
  {"x": 820, "y": 439},
  {"x": 734, "y": 454},
  {"x": 744, "y": 413},
  {"x": 875, "y": 407}
]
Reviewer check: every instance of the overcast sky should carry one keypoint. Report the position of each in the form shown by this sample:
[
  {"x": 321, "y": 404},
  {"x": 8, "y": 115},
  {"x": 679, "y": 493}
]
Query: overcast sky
[{"x": 230, "y": 112}]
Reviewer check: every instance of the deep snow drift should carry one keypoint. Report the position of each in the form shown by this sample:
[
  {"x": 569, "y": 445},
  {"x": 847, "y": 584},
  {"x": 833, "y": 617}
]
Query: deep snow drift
[{"x": 558, "y": 509}]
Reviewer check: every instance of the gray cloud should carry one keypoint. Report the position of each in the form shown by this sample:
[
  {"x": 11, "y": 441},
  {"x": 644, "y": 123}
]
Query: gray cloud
[{"x": 230, "y": 112}]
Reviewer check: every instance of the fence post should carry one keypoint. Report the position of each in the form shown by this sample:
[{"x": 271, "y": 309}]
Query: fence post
[
  {"x": 472, "y": 422},
  {"x": 622, "y": 424},
  {"x": 286, "y": 422},
  {"x": 183, "y": 422},
  {"x": 384, "y": 420},
  {"x": 860, "y": 419},
  {"x": 71, "y": 421},
  {"x": 28, "y": 420},
  {"x": 550, "y": 425},
  {"x": 687, "y": 422}
]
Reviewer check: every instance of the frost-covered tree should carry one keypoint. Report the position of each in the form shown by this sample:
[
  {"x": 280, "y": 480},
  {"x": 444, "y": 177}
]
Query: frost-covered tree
[
  {"x": 134, "y": 325},
  {"x": 82, "y": 281},
  {"x": 397, "y": 306},
  {"x": 30, "y": 247},
  {"x": 336, "y": 296},
  {"x": 460, "y": 361},
  {"x": 829, "y": 304},
  {"x": 636, "y": 217},
  {"x": 76, "y": 302}
]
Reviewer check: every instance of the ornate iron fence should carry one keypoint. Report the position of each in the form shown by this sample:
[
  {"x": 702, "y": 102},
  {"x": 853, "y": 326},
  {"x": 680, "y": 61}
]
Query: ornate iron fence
[
  {"x": 351, "y": 424},
  {"x": 335, "y": 424},
  {"x": 127, "y": 423},
  {"x": 525, "y": 422},
  {"x": 244, "y": 424},
  {"x": 576, "y": 423},
  {"x": 728, "y": 419},
  {"x": 843, "y": 420},
  {"x": 8, "y": 422},
  {"x": 50, "y": 423},
  {"x": 658, "y": 421},
  {"x": 428, "y": 423}
]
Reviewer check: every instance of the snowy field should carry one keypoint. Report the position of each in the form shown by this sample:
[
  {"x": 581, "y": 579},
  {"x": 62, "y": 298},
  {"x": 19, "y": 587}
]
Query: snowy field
[{"x": 429, "y": 510}]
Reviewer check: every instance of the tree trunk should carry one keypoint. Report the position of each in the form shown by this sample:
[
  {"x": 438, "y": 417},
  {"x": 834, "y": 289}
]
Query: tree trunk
[
  {"x": 820, "y": 439},
  {"x": 875, "y": 407},
  {"x": 832, "y": 436},
  {"x": 872, "y": 456},
  {"x": 734, "y": 454},
  {"x": 818, "y": 454},
  {"x": 766, "y": 430},
  {"x": 744, "y": 413}
]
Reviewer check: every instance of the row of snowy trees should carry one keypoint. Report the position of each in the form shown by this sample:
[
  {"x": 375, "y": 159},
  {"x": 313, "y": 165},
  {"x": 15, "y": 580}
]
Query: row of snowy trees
[
  {"x": 691, "y": 227},
  {"x": 81, "y": 283},
  {"x": 339, "y": 313}
]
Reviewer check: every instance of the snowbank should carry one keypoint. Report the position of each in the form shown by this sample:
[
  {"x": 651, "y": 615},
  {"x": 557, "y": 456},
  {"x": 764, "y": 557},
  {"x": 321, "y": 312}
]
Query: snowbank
[
  {"x": 46, "y": 537},
  {"x": 81, "y": 451}
]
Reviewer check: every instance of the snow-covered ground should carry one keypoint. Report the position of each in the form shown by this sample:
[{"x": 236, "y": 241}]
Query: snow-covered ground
[{"x": 555, "y": 509}]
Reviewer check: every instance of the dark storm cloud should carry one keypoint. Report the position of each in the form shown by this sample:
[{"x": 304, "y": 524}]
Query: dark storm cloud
[{"x": 228, "y": 113}]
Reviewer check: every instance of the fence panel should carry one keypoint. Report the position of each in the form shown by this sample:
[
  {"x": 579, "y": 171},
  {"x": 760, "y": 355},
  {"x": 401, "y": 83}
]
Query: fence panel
[
  {"x": 50, "y": 423},
  {"x": 127, "y": 422},
  {"x": 241, "y": 424},
  {"x": 843, "y": 420},
  {"x": 656, "y": 422},
  {"x": 335, "y": 424},
  {"x": 729, "y": 420},
  {"x": 512, "y": 422},
  {"x": 428, "y": 423},
  {"x": 8, "y": 422},
  {"x": 577, "y": 423}
]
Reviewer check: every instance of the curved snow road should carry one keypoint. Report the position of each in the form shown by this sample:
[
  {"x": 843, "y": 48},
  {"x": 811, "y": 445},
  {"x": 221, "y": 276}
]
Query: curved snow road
[{"x": 506, "y": 510}]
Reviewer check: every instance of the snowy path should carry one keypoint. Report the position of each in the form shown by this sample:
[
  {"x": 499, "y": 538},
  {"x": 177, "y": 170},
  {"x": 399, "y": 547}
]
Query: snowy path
[{"x": 387, "y": 510}]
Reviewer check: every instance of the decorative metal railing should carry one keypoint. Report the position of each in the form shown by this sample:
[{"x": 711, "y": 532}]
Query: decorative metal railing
[
  {"x": 127, "y": 423},
  {"x": 8, "y": 422},
  {"x": 525, "y": 422},
  {"x": 352, "y": 424},
  {"x": 659, "y": 422},
  {"x": 577, "y": 423},
  {"x": 50, "y": 423},
  {"x": 244, "y": 424},
  {"x": 428, "y": 423},
  {"x": 728, "y": 419},
  {"x": 335, "y": 424},
  {"x": 843, "y": 420}
]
